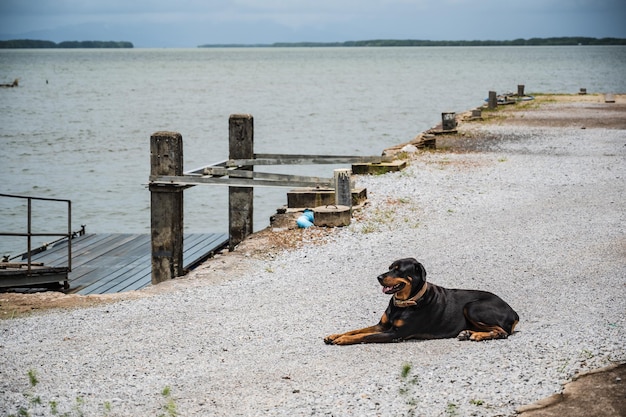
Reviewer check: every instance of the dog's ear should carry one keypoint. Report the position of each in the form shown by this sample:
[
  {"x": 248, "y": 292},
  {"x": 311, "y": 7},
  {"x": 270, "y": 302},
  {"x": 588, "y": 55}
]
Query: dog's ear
[{"x": 420, "y": 271}]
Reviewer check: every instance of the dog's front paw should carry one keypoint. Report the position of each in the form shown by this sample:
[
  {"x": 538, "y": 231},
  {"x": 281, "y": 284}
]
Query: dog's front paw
[{"x": 341, "y": 339}]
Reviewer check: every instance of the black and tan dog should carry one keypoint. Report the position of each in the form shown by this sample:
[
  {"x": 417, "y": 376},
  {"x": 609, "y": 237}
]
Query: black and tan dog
[{"x": 420, "y": 310}]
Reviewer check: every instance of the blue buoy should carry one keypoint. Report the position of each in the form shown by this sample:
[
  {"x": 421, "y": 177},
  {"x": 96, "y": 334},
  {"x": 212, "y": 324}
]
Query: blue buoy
[
  {"x": 306, "y": 219},
  {"x": 303, "y": 222}
]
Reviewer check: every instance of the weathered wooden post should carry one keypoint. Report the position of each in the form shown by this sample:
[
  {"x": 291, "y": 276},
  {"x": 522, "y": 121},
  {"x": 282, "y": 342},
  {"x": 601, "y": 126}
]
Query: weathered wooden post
[
  {"x": 343, "y": 193},
  {"x": 493, "y": 100},
  {"x": 520, "y": 90},
  {"x": 166, "y": 207},
  {"x": 240, "y": 199},
  {"x": 448, "y": 120}
]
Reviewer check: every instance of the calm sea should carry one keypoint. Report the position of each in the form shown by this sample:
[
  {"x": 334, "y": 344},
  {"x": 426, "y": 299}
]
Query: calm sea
[{"x": 78, "y": 126}]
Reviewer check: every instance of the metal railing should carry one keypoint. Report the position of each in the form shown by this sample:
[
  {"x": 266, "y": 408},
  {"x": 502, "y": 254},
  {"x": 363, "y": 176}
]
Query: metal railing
[{"x": 30, "y": 234}]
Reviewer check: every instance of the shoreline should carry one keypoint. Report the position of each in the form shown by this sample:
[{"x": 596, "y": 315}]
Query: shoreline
[
  {"x": 528, "y": 206},
  {"x": 278, "y": 237}
]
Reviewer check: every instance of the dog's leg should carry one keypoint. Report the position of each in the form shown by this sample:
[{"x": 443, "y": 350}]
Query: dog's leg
[
  {"x": 372, "y": 334},
  {"x": 353, "y": 334},
  {"x": 486, "y": 322},
  {"x": 495, "y": 333},
  {"x": 353, "y": 338}
]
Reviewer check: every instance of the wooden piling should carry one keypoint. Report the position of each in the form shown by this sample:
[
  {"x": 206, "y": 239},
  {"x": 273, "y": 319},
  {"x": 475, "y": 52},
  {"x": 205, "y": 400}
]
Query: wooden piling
[
  {"x": 448, "y": 120},
  {"x": 343, "y": 194},
  {"x": 166, "y": 207},
  {"x": 477, "y": 114},
  {"x": 493, "y": 100},
  {"x": 240, "y": 199},
  {"x": 520, "y": 90}
]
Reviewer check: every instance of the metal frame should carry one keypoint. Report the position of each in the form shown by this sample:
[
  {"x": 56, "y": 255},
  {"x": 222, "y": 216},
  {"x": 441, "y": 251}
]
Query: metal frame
[
  {"x": 228, "y": 173},
  {"x": 29, "y": 233}
]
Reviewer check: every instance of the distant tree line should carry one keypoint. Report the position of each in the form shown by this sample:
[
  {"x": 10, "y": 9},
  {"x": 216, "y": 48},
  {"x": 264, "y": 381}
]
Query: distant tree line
[
  {"x": 30, "y": 43},
  {"x": 561, "y": 41}
]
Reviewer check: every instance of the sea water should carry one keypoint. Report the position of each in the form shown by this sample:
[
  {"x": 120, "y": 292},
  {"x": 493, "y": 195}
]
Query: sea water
[{"x": 78, "y": 126}]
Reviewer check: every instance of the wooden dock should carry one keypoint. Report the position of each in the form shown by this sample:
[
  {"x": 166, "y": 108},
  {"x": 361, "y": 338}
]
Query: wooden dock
[{"x": 111, "y": 263}]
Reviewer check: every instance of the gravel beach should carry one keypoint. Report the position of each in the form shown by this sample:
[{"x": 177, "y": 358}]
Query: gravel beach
[{"x": 526, "y": 207}]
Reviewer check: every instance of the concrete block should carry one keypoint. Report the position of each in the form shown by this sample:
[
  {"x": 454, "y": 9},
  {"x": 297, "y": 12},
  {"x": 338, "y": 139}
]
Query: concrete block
[
  {"x": 332, "y": 216},
  {"x": 316, "y": 197},
  {"x": 377, "y": 169}
]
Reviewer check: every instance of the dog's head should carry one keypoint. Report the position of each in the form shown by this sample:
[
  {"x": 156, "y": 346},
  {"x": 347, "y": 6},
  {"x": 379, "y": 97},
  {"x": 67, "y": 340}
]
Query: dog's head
[{"x": 404, "y": 278}]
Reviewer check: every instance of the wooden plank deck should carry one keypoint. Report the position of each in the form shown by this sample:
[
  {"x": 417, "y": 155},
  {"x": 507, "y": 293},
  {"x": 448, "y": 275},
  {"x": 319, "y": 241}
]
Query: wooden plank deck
[
  {"x": 15, "y": 274},
  {"x": 109, "y": 263}
]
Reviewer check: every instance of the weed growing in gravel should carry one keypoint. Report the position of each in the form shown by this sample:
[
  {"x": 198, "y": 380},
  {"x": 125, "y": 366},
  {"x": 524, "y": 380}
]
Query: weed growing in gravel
[
  {"x": 376, "y": 219},
  {"x": 32, "y": 378},
  {"x": 406, "y": 388},
  {"x": 369, "y": 228},
  {"x": 78, "y": 406},
  {"x": 586, "y": 354},
  {"x": 34, "y": 401},
  {"x": 386, "y": 215},
  {"x": 35, "y": 405},
  {"x": 169, "y": 407},
  {"x": 403, "y": 156},
  {"x": 452, "y": 409}
]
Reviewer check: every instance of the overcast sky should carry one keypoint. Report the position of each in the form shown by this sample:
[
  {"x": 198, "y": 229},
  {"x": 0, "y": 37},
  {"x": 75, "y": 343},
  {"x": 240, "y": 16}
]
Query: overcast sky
[{"x": 188, "y": 23}]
